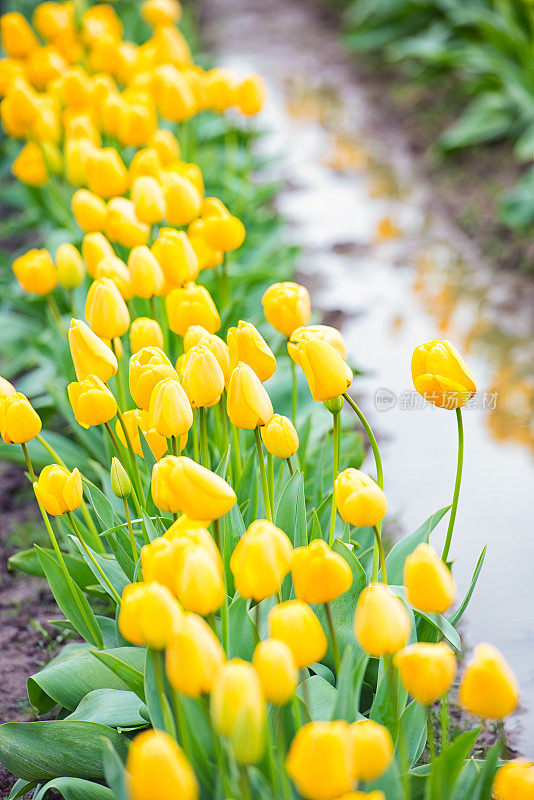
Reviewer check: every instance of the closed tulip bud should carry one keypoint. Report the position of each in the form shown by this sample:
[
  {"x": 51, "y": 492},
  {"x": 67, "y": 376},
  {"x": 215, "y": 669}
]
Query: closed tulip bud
[
  {"x": 220, "y": 89},
  {"x": 174, "y": 96},
  {"x": 137, "y": 122},
  {"x": 194, "y": 656},
  {"x": 320, "y": 760},
  {"x": 295, "y": 624},
  {"x": 148, "y": 199},
  {"x": 324, "y": 332},
  {"x": 199, "y": 579},
  {"x": 429, "y": 583},
  {"x": 319, "y": 574},
  {"x": 90, "y": 355},
  {"x": 158, "y": 563},
  {"x": 441, "y": 376},
  {"x": 287, "y": 306},
  {"x": 426, "y": 670},
  {"x": 18, "y": 39},
  {"x": 250, "y": 95},
  {"x": 260, "y": 560},
  {"x": 224, "y": 232},
  {"x": 59, "y": 490},
  {"x": 202, "y": 377},
  {"x": 106, "y": 174},
  {"x": 176, "y": 257},
  {"x": 139, "y": 422},
  {"x": 105, "y": 310},
  {"x": 237, "y": 709},
  {"x": 145, "y": 162},
  {"x": 191, "y": 305},
  {"x": 121, "y": 485},
  {"x": 147, "y": 368},
  {"x": 122, "y": 224},
  {"x": 116, "y": 270},
  {"x": 328, "y": 375},
  {"x": 196, "y": 334},
  {"x": 19, "y": 422},
  {"x": 146, "y": 274},
  {"x": 77, "y": 151},
  {"x": 488, "y": 688},
  {"x": 145, "y": 332},
  {"x": 30, "y": 167},
  {"x": 334, "y": 405},
  {"x": 35, "y": 271},
  {"x": 359, "y": 500},
  {"x": 70, "y": 266},
  {"x": 249, "y": 405},
  {"x": 148, "y": 614},
  {"x": 514, "y": 781},
  {"x": 280, "y": 437},
  {"x": 180, "y": 484},
  {"x": 372, "y": 748},
  {"x": 170, "y": 409},
  {"x": 157, "y": 769},
  {"x": 95, "y": 247},
  {"x": 166, "y": 144},
  {"x": 275, "y": 665},
  {"x": 381, "y": 622},
  {"x": 182, "y": 199},
  {"x": 91, "y": 401},
  {"x": 246, "y": 344}
]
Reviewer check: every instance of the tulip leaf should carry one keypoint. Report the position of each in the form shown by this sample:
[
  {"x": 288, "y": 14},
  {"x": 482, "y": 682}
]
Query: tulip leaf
[
  {"x": 242, "y": 639},
  {"x": 127, "y": 664},
  {"x": 291, "y": 511},
  {"x": 75, "y": 789},
  {"x": 345, "y": 707},
  {"x": 71, "y": 599},
  {"x": 20, "y": 788},
  {"x": 400, "y": 552},
  {"x": 107, "y": 626},
  {"x": 389, "y": 699},
  {"x": 45, "y": 750},
  {"x": 114, "y": 707},
  {"x": 100, "y": 503},
  {"x": 458, "y": 614},
  {"x": 476, "y": 780},
  {"x": 27, "y": 561},
  {"x": 157, "y": 699},
  {"x": 414, "y": 724},
  {"x": 233, "y": 528},
  {"x": 319, "y": 697},
  {"x": 446, "y": 767},
  {"x": 114, "y": 771},
  {"x": 108, "y": 565}
]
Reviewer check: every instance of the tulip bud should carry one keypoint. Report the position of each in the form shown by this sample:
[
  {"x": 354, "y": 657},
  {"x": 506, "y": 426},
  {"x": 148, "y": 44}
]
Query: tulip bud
[
  {"x": 95, "y": 247},
  {"x": 287, "y": 306},
  {"x": 35, "y": 271},
  {"x": 91, "y": 401},
  {"x": 250, "y": 95},
  {"x": 182, "y": 199},
  {"x": 381, "y": 622},
  {"x": 148, "y": 199},
  {"x": 106, "y": 174},
  {"x": 161, "y": 12},
  {"x": 199, "y": 578},
  {"x": 145, "y": 332},
  {"x": 148, "y": 614},
  {"x": 138, "y": 422},
  {"x": 426, "y": 670},
  {"x": 120, "y": 480},
  {"x": 30, "y": 167},
  {"x": 441, "y": 376},
  {"x": 122, "y": 224},
  {"x": 320, "y": 760},
  {"x": 196, "y": 334},
  {"x": 147, "y": 368},
  {"x": 372, "y": 748},
  {"x": 224, "y": 232},
  {"x": 89, "y": 210},
  {"x": 328, "y": 375},
  {"x": 166, "y": 145},
  {"x": 19, "y": 422},
  {"x": 334, "y": 405},
  {"x": 191, "y": 305},
  {"x": 180, "y": 484},
  {"x": 246, "y": 344},
  {"x": 202, "y": 377},
  {"x": 174, "y": 96},
  {"x": 359, "y": 500},
  {"x": 194, "y": 655},
  {"x": 238, "y": 710},
  {"x": 86, "y": 208},
  {"x": 514, "y": 781},
  {"x": 319, "y": 574},
  {"x": 105, "y": 310},
  {"x": 170, "y": 409},
  {"x": 324, "y": 332},
  {"x": 488, "y": 688},
  {"x": 157, "y": 769},
  {"x": 59, "y": 490},
  {"x": 116, "y": 270},
  {"x": 220, "y": 89},
  {"x": 176, "y": 257},
  {"x": 429, "y": 583},
  {"x": 260, "y": 560},
  {"x": 145, "y": 271},
  {"x": 137, "y": 122},
  {"x": 295, "y": 624},
  {"x": 90, "y": 355},
  {"x": 275, "y": 665},
  {"x": 280, "y": 437},
  {"x": 249, "y": 405},
  {"x": 18, "y": 39},
  {"x": 70, "y": 266}
]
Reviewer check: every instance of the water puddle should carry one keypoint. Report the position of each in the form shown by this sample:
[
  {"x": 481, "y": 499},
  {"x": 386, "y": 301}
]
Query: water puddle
[{"x": 383, "y": 262}]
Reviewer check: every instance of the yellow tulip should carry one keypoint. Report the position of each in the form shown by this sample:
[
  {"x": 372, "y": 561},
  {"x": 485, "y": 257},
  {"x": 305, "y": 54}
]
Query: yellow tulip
[
  {"x": 91, "y": 401},
  {"x": 320, "y": 760},
  {"x": 191, "y": 305},
  {"x": 249, "y": 405},
  {"x": 19, "y": 422},
  {"x": 122, "y": 224},
  {"x": 514, "y": 781},
  {"x": 319, "y": 574},
  {"x": 145, "y": 162},
  {"x": 59, "y": 490},
  {"x": 220, "y": 89},
  {"x": 260, "y": 560},
  {"x": 30, "y": 167},
  {"x": 199, "y": 579},
  {"x": 174, "y": 96},
  {"x": 426, "y": 670},
  {"x": 138, "y": 421},
  {"x": 237, "y": 710},
  {"x": 147, "y": 368},
  {"x": 157, "y": 769},
  {"x": 70, "y": 266},
  {"x": 287, "y": 306},
  {"x": 429, "y": 583},
  {"x": 223, "y": 232},
  {"x": 35, "y": 271},
  {"x": 280, "y": 437},
  {"x": 6, "y": 388},
  {"x": 87, "y": 210},
  {"x": 372, "y": 748},
  {"x": 95, "y": 247},
  {"x": 328, "y": 375},
  {"x": 194, "y": 655},
  {"x": 250, "y": 95},
  {"x": 146, "y": 274},
  {"x": 488, "y": 688},
  {"x": 148, "y": 199},
  {"x": 196, "y": 334},
  {"x": 176, "y": 257},
  {"x": 202, "y": 377},
  {"x": 182, "y": 199},
  {"x": 275, "y": 665},
  {"x": 170, "y": 408},
  {"x": 166, "y": 144},
  {"x": 137, "y": 122},
  {"x": 90, "y": 355},
  {"x": 381, "y": 622},
  {"x": 359, "y": 500},
  {"x": 106, "y": 174},
  {"x": 145, "y": 332},
  {"x": 324, "y": 332},
  {"x": 105, "y": 310},
  {"x": 441, "y": 375},
  {"x": 161, "y": 12},
  {"x": 148, "y": 614},
  {"x": 180, "y": 484},
  {"x": 116, "y": 270},
  {"x": 18, "y": 39},
  {"x": 295, "y": 624},
  {"x": 246, "y": 344}
]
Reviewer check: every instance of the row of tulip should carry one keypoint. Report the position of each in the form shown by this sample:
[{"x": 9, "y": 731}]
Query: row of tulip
[{"x": 244, "y": 633}]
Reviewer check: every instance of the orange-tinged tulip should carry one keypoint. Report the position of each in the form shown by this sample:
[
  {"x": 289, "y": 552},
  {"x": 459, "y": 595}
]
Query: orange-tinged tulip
[
  {"x": 320, "y": 760},
  {"x": 287, "y": 306},
  {"x": 426, "y": 670},
  {"x": 194, "y": 656},
  {"x": 381, "y": 622},
  {"x": 147, "y": 368},
  {"x": 35, "y": 271},
  {"x": 202, "y": 377},
  {"x": 295, "y": 624},
  {"x": 90, "y": 355},
  {"x": 429, "y": 583},
  {"x": 319, "y": 574},
  {"x": 249, "y": 405},
  {"x": 488, "y": 688},
  {"x": 145, "y": 332},
  {"x": 175, "y": 256},
  {"x": 246, "y": 344},
  {"x": 19, "y": 422},
  {"x": 277, "y": 671},
  {"x": 170, "y": 409},
  {"x": 191, "y": 305},
  {"x": 441, "y": 375},
  {"x": 180, "y": 484},
  {"x": 91, "y": 401},
  {"x": 157, "y": 769},
  {"x": 280, "y": 437},
  {"x": 105, "y": 310},
  {"x": 260, "y": 560},
  {"x": 145, "y": 272},
  {"x": 59, "y": 490}
]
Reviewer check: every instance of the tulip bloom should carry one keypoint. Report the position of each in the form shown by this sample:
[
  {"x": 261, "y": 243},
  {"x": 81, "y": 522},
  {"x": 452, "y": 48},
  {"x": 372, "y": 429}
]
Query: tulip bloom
[
  {"x": 287, "y": 307},
  {"x": 157, "y": 769},
  {"x": 29, "y": 167},
  {"x": 91, "y": 401},
  {"x": 359, "y": 500},
  {"x": 295, "y": 624},
  {"x": 275, "y": 665},
  {"x": 146, "y": 274},
  {"x": 514, "y": 781},
  {"x": 122, "y": 224},
  {"x": 250, "y": 95},
  {"x": 138, "y": 421},
  {"x": 202, "y": 377},
  {"x": 280, "y": 437},
  {"x": 328, "y": 375},
  {"x": 35, "y": 271},
  {"x": 116, "y": 270},
  {"x": 194, "y": 656},
  {"x": 372, "y": 749},
  {"x": 90, "y": 355},
  {"x": 191, "y": 305},
  {"x": 441, "y": 375},
  {"x": 70, "y": 266},
  {"x": 106, "y": 174},
  {"x": 59, "y": 490},
  {"x": 319, "y": 574},
  {"x": 18, "y": 39},
  {"x": 145, "y": 332},
  {"x": 180, "y": 484},
  {"x": 488, "y": 688},
  {"x": 182, "y": 199},
  {"x": 429, "y": 583},
  {"x": 170, "y": 408},
  {"x": 223, "y": 232},
  {"x": 247, "y": 345},
  {"x": 166, "y": 145},
  {"x": 147, "y": 368},
  {"x": 105, "y": 310},
  {"x": 148, "y": 199},
  {"x": 249, "y": 405},
  {"x": 89, "y": 210},
  {"x": 196, "y": 334},
  {"x": 381, "y": 622},
  {"x": 199, "y": 579},
  {"x": 95, "y": 247},
  {"x": 19, "y": 422},
  {"x": 237, "y": 710},
  {"x": 426, "y": 670},
  {"x": 260, "y": 560},
  {"x": 320, "y": 760},
  {"x": 148, "y": 614},
  {"x": 176, "y": 257},
  {"x": 324, "y": 332}
]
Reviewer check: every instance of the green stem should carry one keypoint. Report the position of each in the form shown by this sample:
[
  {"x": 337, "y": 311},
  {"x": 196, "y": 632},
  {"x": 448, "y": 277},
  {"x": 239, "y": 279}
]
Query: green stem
[
  {"x": 430, "y": 733},
  {"x": 183, "y": 732},
  {"x": 290, "y": 466},
  {"x": 296, "y": 711},
  {"x": 237, "y": 453},
  {"x": 95, "y": 563},
  {"x": 133, "y": 458},
  {"x": 294, "y": 392},
  {"x": 457, "y": 483},
  {"x": 225, "y": 439},
  {"x": 174, "y": 446},
  {"x": 204, "y": 451},
  {"x": 56, "y": 314},
  {"x": 335, "y": 473},
  {"x": 224, "y": 608},
  {"x": 28, "y": 462},
  {"x": 333, "y": 637},
  {"x": 119, "y": 381},
  {"x": 270, "y": 479},
  {"x": 134, "y": 493},
  {"x": 263, "y": 476},
  {"x": 276, "y": 778},
  {"x": 196, "y": 450},
  {"x": 380, "y": 545},
  {"x": 130, "y": 531}
]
